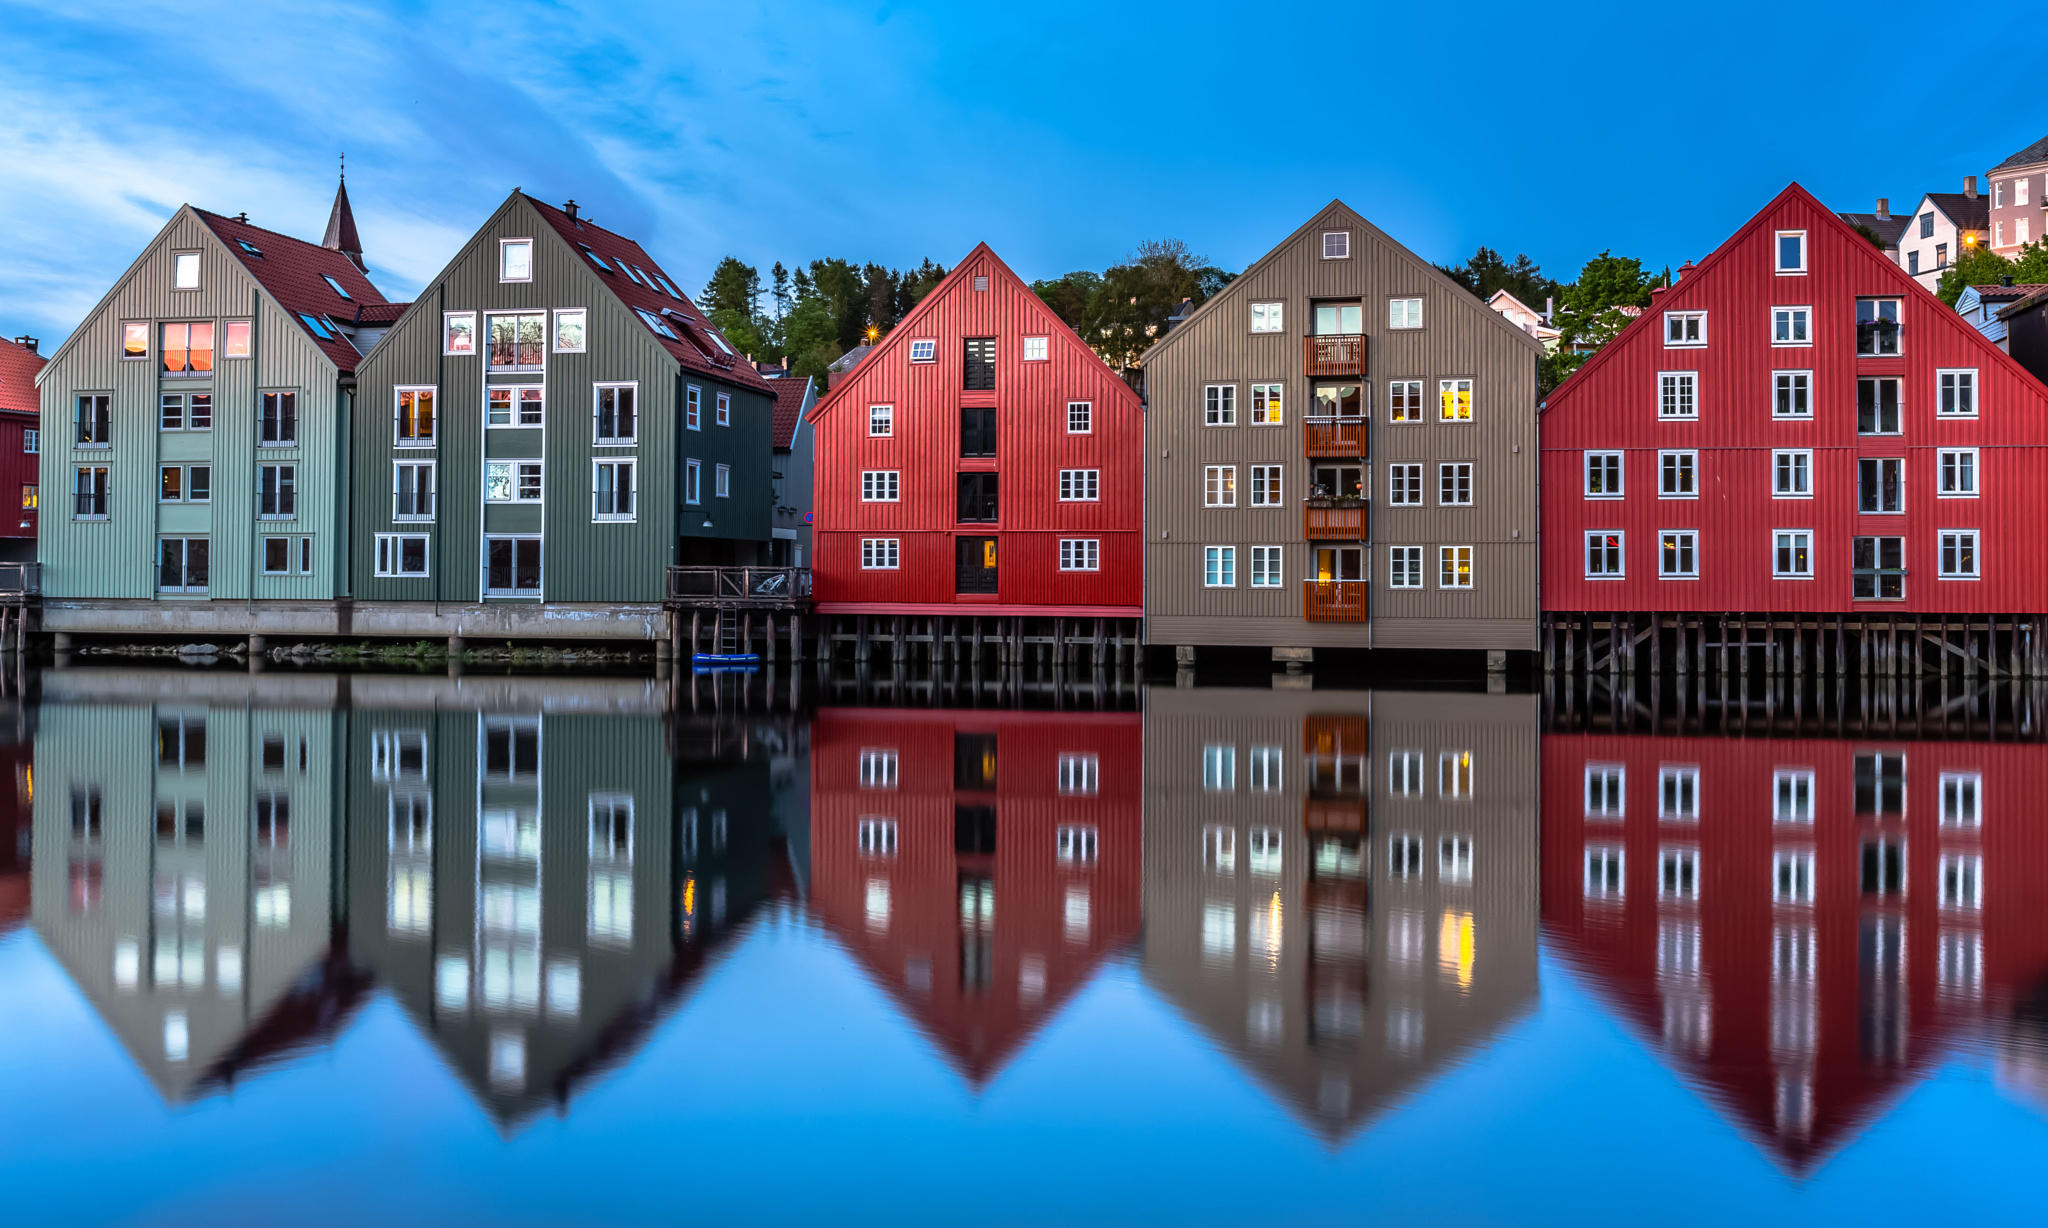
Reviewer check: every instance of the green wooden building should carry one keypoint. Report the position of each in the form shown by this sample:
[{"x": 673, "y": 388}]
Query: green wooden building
[{"x": 548, "y": 427}]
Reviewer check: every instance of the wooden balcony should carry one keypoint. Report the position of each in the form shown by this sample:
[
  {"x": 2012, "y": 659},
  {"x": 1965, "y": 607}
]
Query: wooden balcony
[
  {"x": 775, "y": 588},
  {"x": 1333, "y": 354},
  {"x": 1334, "y": 437},
  {"x": 1321, "y": 520},
  {"x": 1336, "y": 814},
  {"x": 1334, "y": 601},
  {"x": 20, "y": 581}
]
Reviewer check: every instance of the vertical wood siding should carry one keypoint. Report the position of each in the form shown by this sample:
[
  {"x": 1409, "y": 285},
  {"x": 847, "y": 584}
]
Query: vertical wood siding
[
  {"x": 1033, "y": 445},
  {"x": 1460, "y": 338},
  {"x": 1613, "y": 405}
]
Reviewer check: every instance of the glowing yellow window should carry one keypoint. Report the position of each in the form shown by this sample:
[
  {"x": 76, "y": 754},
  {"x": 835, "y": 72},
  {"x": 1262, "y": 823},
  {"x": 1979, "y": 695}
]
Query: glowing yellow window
[{"x": 1457, "y": 399}]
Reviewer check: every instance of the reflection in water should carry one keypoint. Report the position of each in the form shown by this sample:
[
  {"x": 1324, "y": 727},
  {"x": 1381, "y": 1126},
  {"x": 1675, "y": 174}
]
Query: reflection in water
[{"x": 1342, "y": 895}]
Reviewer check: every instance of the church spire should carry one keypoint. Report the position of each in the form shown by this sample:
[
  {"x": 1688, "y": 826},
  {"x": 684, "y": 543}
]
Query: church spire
[{"x": 341, "y": 224}]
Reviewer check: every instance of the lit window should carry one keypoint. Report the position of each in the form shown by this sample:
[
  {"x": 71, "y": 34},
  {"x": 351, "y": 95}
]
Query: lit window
[
  {"x": 1605, "y": 556},
  {"x": 1678, "y": 554},
  {"x": 1793, "y": 554},
  {"x": 1454, "y": 567},
  {"x": 1456, "y": 395}
]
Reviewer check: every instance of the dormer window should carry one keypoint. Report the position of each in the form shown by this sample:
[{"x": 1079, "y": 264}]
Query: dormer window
[
  {"x": 515, "y": 260},
  {"x": 1336, "y": 245},
  {"x": 924, "y": 349},
  {"x": 1684, "y": 328},
  {"x": 185, "y": 270},
  {"x": 334, "y": 286},
  {"x": 1791, "y": 250}
]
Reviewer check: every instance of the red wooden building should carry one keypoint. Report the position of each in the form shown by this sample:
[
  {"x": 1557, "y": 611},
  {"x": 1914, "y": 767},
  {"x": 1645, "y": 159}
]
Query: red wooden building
[
  {"x": 980, "y": 461},
  {"x": 980, "y": 865},
  {"x": 1796, "y": 427},
  {"x": 20, "y": 416},
  {"x": 1803, "y": 928}
]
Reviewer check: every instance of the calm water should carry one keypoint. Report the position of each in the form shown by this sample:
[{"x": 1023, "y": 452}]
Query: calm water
[{"x": 318, "y": 950}]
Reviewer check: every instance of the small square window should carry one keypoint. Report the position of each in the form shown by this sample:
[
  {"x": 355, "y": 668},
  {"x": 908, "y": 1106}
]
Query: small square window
[
  {"x": 1034, "y": 349},
  {"x": 924, "y": 349},
  {"x": 1266, "y": 317},
  {"x": 185, "y": 270},
  {"x": 515, "y": 260},
  {"x": 1404, "y": 313},
  {"x": 569, "y": 330},
  {"x": 1791, "y": 251},
  {"x": 980, "y": 281},
  {"x": 1336, "y": 245},
  {"x": 458, "y": 332}
]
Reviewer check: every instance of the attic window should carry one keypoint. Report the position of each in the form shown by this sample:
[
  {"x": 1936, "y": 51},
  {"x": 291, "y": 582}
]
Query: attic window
[
  {"x": 250, "y": 248},
  {"x": 654, "y": 322},
  {"x": 1336, "y": 245},
  {"x": 317, "y": 326},
  {"x": 980, "y": 281},
  {"x": 594, "y": 257},
  {"x": 335, "y": 286},
  {"x": 924, "y": 349},
  {"x": 185, "y": 270},
  {"x": 515, "y": 260}
]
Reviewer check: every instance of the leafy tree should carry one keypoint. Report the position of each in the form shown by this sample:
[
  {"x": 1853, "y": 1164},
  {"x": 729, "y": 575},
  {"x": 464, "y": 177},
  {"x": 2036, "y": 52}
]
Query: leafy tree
[
  {"x": 1980, "y": 266},
  {"x": 1122, "y": 311},
  {"x": 1589, "y": 312},
  {"x": 1868, "y": 233},
  {"x": 1486, "y": 273},
  {"x": 1070, "y": 295}
]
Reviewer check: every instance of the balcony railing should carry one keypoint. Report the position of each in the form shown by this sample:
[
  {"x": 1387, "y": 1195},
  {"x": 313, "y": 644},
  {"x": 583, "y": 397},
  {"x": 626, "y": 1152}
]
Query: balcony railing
[
  {"x": 1335, "y": 436},
  {"x": 1326, "y": 520},
  {"x": 1333, "y": 354},
  {"x": 21, "y": 579},
  {"x": 1334, "y": 601},
  {"x": 766, "y": 586}
]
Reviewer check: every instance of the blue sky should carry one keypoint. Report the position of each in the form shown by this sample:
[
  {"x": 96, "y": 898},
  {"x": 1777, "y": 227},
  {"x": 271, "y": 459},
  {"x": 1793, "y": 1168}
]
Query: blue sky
[{"x": 1062, "y": 133}]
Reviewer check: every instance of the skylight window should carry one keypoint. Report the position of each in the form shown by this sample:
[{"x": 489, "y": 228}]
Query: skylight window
[
  {"x": 631, "y": 275},
  {"x": 719, "y": 342},
  {"x": 654, "y": 322},
  {"x": 336, "y": 287},
  {"x": 250, "y": 248},
  {"x": 594, "y": 257},
  {"x": 318, "y": 326}
]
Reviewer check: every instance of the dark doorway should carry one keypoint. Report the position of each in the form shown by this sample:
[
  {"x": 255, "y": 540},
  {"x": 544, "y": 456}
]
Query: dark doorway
[{"x": 976, "y": 557}]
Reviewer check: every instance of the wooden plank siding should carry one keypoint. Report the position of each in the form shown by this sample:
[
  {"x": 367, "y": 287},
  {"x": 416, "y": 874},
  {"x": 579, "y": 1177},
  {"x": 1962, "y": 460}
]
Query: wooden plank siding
[
  {"x": 1033, "y": 446},
  {"x": 117, "y": 557},
  {"x": 1460, "y": 337}
]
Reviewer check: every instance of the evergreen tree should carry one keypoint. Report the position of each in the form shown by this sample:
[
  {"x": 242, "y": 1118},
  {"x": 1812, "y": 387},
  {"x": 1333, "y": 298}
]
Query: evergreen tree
[
  {"x": 778, "y": 289},
  {"x": 1589, "y": 312}
]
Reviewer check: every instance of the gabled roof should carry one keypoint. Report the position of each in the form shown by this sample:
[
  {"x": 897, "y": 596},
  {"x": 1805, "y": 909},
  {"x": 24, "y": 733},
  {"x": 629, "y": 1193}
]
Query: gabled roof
[
  {"x": 697, "y": 345},
  {"x": 2037, "y": 152},
  {"x": 1884, "y": 265},
  {"x": 295, "y": 273},
  {"x": 1243, "y": 280},
  {"x": 18, "y": 367},
  {"x": 1967, "y": 212},
  {"x": 850, "y": 359},
  {"x": 1995, "y": 293},
  {"x": 791, "y": 394},
  {"x": 1890, "y": 228}
]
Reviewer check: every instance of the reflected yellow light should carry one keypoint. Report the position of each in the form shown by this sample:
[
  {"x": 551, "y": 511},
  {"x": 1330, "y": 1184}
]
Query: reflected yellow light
[
  {"x": 1454, "y": 947},
  {"x": 28, "y": 783},
  {"x": 1273, "y": 929}
]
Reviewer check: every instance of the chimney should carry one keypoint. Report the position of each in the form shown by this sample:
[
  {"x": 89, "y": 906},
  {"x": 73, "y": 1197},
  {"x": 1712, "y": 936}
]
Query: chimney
[
  {"x": 27, "y": 343},
  {"x": 243, "y": 217},
  {"x": 1970, "y": 186},
  {"x": 1683, "y": 269},
  {"x": 785, "y": 362},
  {"x": 1549, "y": 308},
  {"x": 569, "y": 207},
  {"x": 2005, "y": 281},
  {"x": 1884, "y": 208}
]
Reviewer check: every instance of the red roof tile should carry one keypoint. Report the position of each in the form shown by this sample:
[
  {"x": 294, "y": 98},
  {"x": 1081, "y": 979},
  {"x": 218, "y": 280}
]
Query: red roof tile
[
  {"x": 18, "y": 367},
  {"x": 1996, "y": 291},
  {"x": 380, "y": 313},
  {"x": 294, "y": 272},
  {"x": 692, "y": 346},
  {"x": 789, "y": 406}
]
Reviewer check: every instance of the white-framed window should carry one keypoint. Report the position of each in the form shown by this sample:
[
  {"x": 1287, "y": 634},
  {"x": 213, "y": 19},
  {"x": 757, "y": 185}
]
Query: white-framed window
[
  {"x": 1606, "y": 557},
  {"x": 1454, "y": 484},
  {"x": 1404, "y": 485},
  {"x": 1956, "y": 469},
  {"x": 277, "y": 492},
  {"x": 1606, "y": 791},
  {"x": 693, "y": 408},
  {"x": 1678, "y": 554},
  {"x": 1678, "y": 394},
  {"x": 1678, "y": 793},
  {"x": 1606, "y": 872},
  {"x": 1075, "y": 844},
  {"x": 1265, "y": 485},
  {"x": 1219, "y": 567},
  {"x": 510, "y": 481},
  {"x": 1454, "y": 774},
  {"x": 1959, "y": 554},
  {"x": 877, "y": 836},
  {"x": 1085, "y": 486},
  {"x": 1219, "y": 849},
  {"x": 924, "y": 349},
  {"x": 614, "y": 490},
  {"x": 1266, "y": 769},
  {"x": 1877, "y": 327},
  {"x": 721, "y": 482},
  {"x": 516, "y": 341},
  {"x": 31, "y": 440},
  {"x": 402, "y": 554},
  {"x": 1454, "y": 859},
  {"x": 1404, "y": 567},
  {"x": 1790, "y": 252},
  {"x": 1034, "y": 349},
  {"x": 1961, "y": 881},
  {"x": 1079, "y": 773},
  {"x": 515, "y": 260},
  {"x": 2019, "y": 192},
  {"x": 280, "y": 553},
  {"x": 458, "y": 333},
  {"x": 1337, "y": 244},
  {"x": 1791, "y": 394},
  {"x": 514, "y": 405},
  {"x": 1677, "y": 474},
  {"x": 1404, "y": 400},
  {"x": 1604, "y": 475},
  {"x": 1266, "y": 317},
  {"x": 1219, "y": 768},
  {"x": 1792, "y": 473},
  {"x": 879, "y": 553},
  {"x": 1219, "y": 486},
  {"x": 1791, "y": 326},
  {"x": 1678, "y": 873},
  {"x": 1080, "y": 417},
  {"x": 1455, "y": 396},
  {"x": 724, "y": 409},
  {"x": 1080, "y": 554},
  {"x": 1792, "y": 554},
  {"x": 1404, "y": 313},
  {"x": 1792, "y": 872},
  {"x": 1955, "y": 392},
  {"x": 185, "y": 270},
  {"x": 1881, "y": 484},
  {"x": 1878, "y": 410},
  {"x": 571, "y": 330},
  {"x": 1404, "y": 856},
  {"x": 615, "y": 415},
  {"x": 1792, "y": 795},
  {"x": 1219, "y": 405},
  {"x": 1684, "y": 329},
  {"x": 1266, "y": 406},
  {"x": 1962, "y": 799},
  {"x": 412, "y": 491},
  {"x": 412, "y": 417},
  {"x": 877, "y": 769},
  {"x": 1404, "y": 774},
  {"x": 1454, "y": 567},
  {"x": 881, "y": 485},
  {"x": 1265, "y": 567},
  {"x": 881, "y": 420},
  {"x": 277, "y": 420},
  {"x": 693, "y": 481}
]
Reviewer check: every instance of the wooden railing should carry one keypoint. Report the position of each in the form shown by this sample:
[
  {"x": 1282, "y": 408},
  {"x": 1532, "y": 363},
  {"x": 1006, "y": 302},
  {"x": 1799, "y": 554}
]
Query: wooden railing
[
  {"x": 1334, "y": 436},
  {"x": 1334, "y": 601},
  {"x": 763, "y": 586},
  {"x": 1333, "y": 354},
  {"x": 1333, "y": 523},
  {"x": 20, "y": 579}
]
